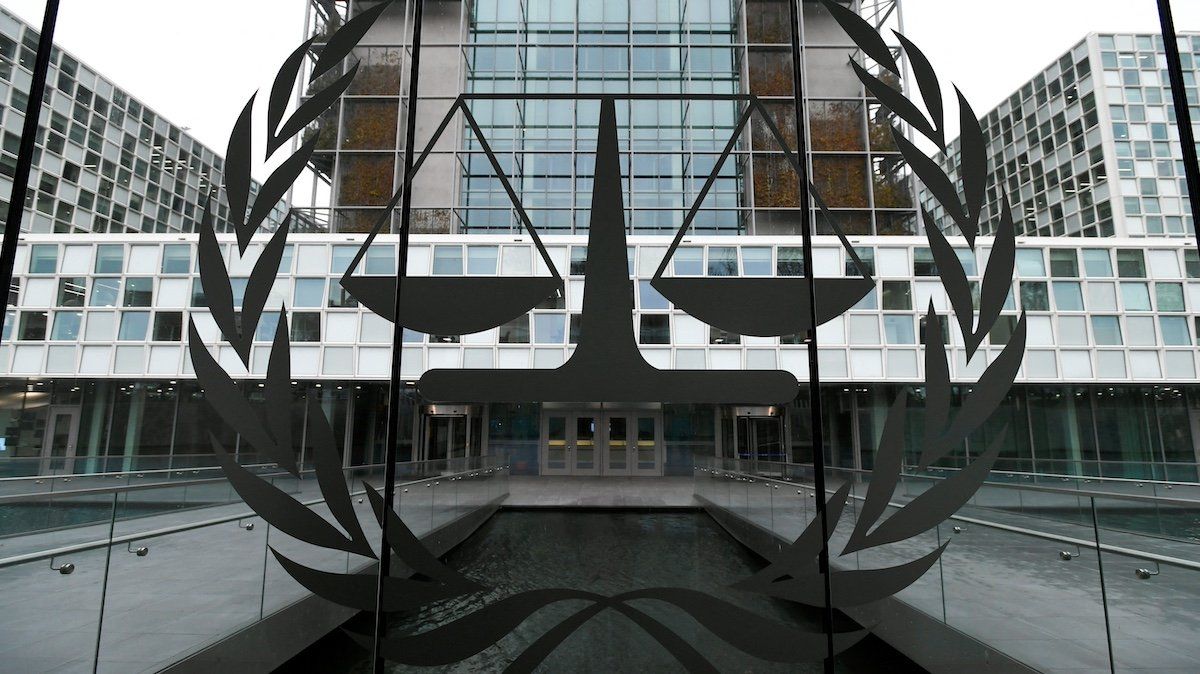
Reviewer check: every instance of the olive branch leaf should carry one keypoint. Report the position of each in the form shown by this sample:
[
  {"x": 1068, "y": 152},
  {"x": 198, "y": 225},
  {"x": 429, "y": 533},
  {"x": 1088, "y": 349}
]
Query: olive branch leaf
[
  {"x": 794, "y": 574},
  {"x": 268, "y": 428}
]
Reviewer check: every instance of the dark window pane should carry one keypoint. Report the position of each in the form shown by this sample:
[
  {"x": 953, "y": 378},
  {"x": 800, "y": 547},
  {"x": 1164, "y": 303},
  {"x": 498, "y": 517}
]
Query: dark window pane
[{"x": 168, "y": 326}]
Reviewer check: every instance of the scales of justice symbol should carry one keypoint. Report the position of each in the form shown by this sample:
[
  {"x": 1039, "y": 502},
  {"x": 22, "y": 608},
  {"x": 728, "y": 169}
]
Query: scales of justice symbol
[{"x": 606, "y": 366}]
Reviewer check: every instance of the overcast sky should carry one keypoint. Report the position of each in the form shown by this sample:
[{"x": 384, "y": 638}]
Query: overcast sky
[{"x": 197, "y": 62}]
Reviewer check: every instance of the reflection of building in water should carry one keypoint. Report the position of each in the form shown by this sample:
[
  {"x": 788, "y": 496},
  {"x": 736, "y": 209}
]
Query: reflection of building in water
[{"x": 1108, "y": 382}]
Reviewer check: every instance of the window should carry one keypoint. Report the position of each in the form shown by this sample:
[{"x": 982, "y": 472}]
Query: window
[
  {"x": 104, "y": 292},
  {"x": 339, "y": 298},
  {"x": 790, "y": 262},
  {"x": 168, "y": 326},
  {"x": 1064, "y": 263},
  {"x": 309, "y": 292},
  {"x": 1067, "y": 296},
  {"x": 897, "y": 296},
  {"x": 651, "y": 298},
  {"x": 549, "y": 328},
  {"x": 66, "y": 325},
  {"x": 1191, "y": 262},
  {"x": 1072, "y": 330},
  {"x": 898, "y": 330},
  {"x": 268, "y": 323},
  {"x": 719, "y": 336},
  {"x": 177, "y": 258},
  {"x": 379, "y": 259},
  {"x": 342, "y": 257},
  {"x": 1107, "y": 330},
  {"x": 515, "y": 331},
  {"x": 1170, "y": 296},
  {"x": 756, "y": 261},
  {"x": 447, "y": 260},
  {"x": 1135, "y": 296},
  {"x": 1030, "y": 262},
  {"x": 867, "y": 255},
  {"x": 71, "y": 291},
  {"x": 1139, "y": 331},
  {"x": 43, "y": 259},
  {"x": 1102, "y": 297},
  {"x": 1131, "y": 264},
  {"x": 306, "y": 326},
  {"x": 923, "y": 262},
  {"x": 1097, "y": 262},
  {"x": 133, "y": 325},
  {"x": 1174, "y": 330},
  {"x": 1034, "y": 296},
  {"x": 655, "y": 329},
  {"x": 482, "y": 259},
  {"x": 1002, "y": 330},
  {"x": 722, "y": 261},
  {"x": 579, "y": 260},
  {"x": 110, "y": 258},
  {"x": 139, "y": 291}
]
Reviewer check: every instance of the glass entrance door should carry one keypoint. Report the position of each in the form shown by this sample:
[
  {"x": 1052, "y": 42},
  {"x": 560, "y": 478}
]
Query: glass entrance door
[
  {"x": 58, "y": 447},
  {"x": 571, "y": 444},
  {"x": 760, "y": 439},
  {"x": 448, "y": 436},
  {"x": 609, "y": 443}
]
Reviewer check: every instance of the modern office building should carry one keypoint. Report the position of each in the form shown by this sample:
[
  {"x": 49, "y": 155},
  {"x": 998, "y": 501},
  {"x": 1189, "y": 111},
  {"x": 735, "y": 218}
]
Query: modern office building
[
  {"x": 93, "y": 353},
  {"x": 105, "y": 161},
  {"x": 1089, "y": 146}
]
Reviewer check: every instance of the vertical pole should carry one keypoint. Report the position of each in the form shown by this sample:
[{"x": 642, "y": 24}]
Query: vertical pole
[
  {"x": 1183, "y": 118},
  {"x": 395, "y": 394},
  {"x": 810, "y": 338},
  {"x": 33, "y": 110},
  {"x": 1112, "y": 663}
]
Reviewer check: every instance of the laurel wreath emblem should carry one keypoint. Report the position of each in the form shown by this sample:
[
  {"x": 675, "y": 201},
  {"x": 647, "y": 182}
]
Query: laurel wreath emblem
[{"x": 793, "y": 574}]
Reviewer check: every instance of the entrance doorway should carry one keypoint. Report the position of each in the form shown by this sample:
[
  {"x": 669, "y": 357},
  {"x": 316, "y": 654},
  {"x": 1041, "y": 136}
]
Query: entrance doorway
[
  {"x": 601, "y": 442},
  {"x": 759, "y": 435},
  {"x": 451, "y": 432},
  {"x": 58, "y": 445}
]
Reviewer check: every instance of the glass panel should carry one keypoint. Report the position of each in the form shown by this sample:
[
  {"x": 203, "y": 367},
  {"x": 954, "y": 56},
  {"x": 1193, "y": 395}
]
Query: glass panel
[
  {"x": 585, "y": 443},
  {"x": 618, "y": 443},
  {"x": 556, "y": 443},
  {"x": 1097, "y": 262},
  {"x": 646, "y": 443}
]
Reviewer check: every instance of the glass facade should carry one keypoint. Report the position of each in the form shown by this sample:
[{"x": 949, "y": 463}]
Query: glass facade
[
  {"x": 690, "y": 50},
  {"x": 105, "y": 161},
  {"x": 1089, "y": 146}
]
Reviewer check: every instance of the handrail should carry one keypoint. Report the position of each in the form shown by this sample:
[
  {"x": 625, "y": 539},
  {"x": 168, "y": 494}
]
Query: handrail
[
  {"x": 35, "y": 495},
  {"x": 1084, "y": 478},
  {"x": 155, "y": 533},
  {"x": 1170, "y": 500},
  {"x": 1068, "y": 540},
  {"x": 92, "y": 491}
]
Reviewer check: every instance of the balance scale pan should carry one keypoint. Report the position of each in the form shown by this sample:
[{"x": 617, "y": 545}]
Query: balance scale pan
[
  {"x": 762, "y": 307},
  {"x": 452, "y": 305}
]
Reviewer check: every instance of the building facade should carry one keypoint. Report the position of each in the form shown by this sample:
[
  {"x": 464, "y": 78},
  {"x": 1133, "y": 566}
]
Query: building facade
[
  {"x": 105, "y": 161},
  {"x": 1089, "y": 146},
  {"x": 95, "y": 366}
]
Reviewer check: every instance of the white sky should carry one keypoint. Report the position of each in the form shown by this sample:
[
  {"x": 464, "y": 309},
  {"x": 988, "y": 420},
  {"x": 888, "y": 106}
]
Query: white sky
[{"x": 197, "y": 62}]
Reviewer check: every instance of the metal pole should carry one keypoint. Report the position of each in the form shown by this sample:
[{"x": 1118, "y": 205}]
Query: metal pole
[
  {"x": 1183, "y": 118},
  {"x": 33, "y": 110},
  {"x": 814, "y": 376},
  {"x": 395, "y": 394}
]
